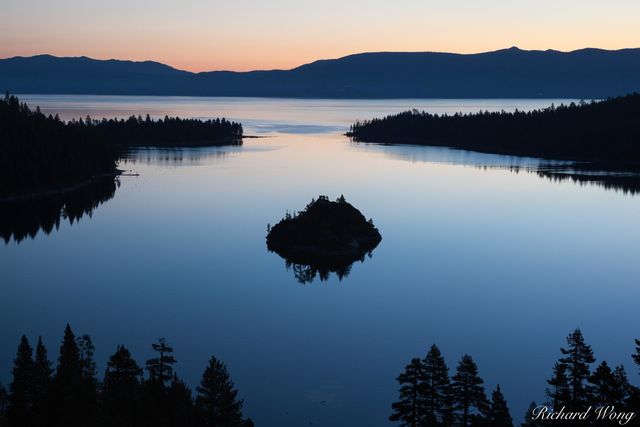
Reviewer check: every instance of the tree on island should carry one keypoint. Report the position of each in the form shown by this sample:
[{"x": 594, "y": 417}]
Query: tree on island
[
  {"x": 217, "y": 398},
  {"x": 499, "y": 415},
  {"x": 436, "y": 388},
  {"x": 469, "y": 398},
  {"x": 410, "y": 408},
  {"x": 20, "y": 409}
]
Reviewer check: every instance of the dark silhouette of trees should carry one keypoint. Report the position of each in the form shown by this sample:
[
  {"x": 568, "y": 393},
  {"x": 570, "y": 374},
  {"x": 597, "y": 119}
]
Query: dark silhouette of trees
[
  {"x": 121, "y": 388},
  {"x": 42, "y": 374},
  {"x": 20, "y": 410},
  {"x": 44, "y": 154},
  {"x": 217, "y": 398},
  {"x": 73, "y": 397},
  {"x": 636, "y": 356},
  {"x": 559, "y": 394},
  {"x": 577, "y": 359},
  {"x": 436, "y": 388},
  {"x": 529, "y": 420},
  {"x": 410, "y": 408},
  {"x": 467, "y": 389},
  {"x": 499, "y": 415},
  {"x": 161, "y": 368},
  {"x": 603, "y": 131}
]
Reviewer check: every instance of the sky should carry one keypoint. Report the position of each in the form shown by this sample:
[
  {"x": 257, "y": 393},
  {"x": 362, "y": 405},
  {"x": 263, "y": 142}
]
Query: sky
[{"x": 201, "y": 35}]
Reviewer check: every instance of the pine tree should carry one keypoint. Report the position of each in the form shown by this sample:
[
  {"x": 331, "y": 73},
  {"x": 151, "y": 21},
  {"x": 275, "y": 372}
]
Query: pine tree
[
  {"x": 577, "y": 358},
  {"x": 469, "y": 398},
  {"x": 42, "y": 372},
  {"x": 180, "y": 403},
  {"x": 624, "y": 394},
  {"x": 558, "y": 394},
  {"x": 436, "y": 388},
  {"x": 161, "y": 368},
  {"x": 636, "y": 356},
  {"x": 121, "y": 386},
  {"x": 67, "y": 384},
  {"x": 499, "y": 415},
  {"x": 20, "y": 410},
  {"x": 528, "y": 417},
  {"x": 602, "y": 385},
  {"x": 216, "y": 400}
]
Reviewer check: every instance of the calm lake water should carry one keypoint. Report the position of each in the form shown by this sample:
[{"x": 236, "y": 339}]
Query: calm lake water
[{"x": 474, "y": 257}]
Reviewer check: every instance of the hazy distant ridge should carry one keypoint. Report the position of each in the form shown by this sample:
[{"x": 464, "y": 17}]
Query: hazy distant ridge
[{"x": 508, "y": 73}]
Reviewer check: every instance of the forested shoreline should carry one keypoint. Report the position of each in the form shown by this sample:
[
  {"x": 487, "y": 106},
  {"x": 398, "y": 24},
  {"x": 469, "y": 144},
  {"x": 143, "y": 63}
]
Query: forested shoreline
[
  {"x": 43, "y": 154},
  {"x": 428, "y": 396},
  {"x": 605, "y": 131},
  {"x": 71, "y": 395}
]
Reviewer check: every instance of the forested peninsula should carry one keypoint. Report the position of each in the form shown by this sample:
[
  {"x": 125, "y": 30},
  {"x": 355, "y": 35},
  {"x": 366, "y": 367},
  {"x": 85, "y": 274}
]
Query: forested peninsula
[
  {"x": 598, "y": 131},
  {"x": 43, "y": 154}
]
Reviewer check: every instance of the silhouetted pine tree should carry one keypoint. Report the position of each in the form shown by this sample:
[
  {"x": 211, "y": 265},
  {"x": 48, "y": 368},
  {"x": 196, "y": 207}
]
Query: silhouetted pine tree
[
  {"x": 181, "y": 411},
  {"x": 121, "y": 387},
  {"x": 499, "y": 415},
  {"x": 469, "y": 398},
  {"x": 217, "y": 398},
  {"x": 67, "y": 384},
  {"x": 528, "y": 417},
  {"x": 86, "y": 351},
  {"x": 42, "y": 372},
  {"x": 559, "y": 394},
  {"x": 624, "y": 394},
  {"x": 20, "y": 410},
  {"x": 636, "y": 356},
  {"x": 602, "y": 385},
  {"x": 410, "y": 407},
  {"x": 577, "y": 358},
  {"x": 436, "y": 388},
  {"x": 161, "y": 368}
]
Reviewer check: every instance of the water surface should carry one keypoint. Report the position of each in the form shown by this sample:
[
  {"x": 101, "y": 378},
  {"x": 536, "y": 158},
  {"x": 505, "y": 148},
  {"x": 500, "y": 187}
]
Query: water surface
[{"x": 475, "y": 257}]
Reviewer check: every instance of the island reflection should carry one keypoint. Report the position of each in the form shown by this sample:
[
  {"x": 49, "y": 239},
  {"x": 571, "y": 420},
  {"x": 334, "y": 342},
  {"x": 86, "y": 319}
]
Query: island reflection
[{"x": 24, "y": 218}]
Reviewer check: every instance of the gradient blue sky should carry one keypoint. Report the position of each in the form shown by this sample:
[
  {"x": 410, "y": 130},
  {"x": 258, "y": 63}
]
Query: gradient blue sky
[{"x": 253, "y": 34}]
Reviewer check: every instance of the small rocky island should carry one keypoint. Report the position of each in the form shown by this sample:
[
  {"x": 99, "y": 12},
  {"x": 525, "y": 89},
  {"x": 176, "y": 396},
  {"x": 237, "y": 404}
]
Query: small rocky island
[{"x": 327, "y": 236}]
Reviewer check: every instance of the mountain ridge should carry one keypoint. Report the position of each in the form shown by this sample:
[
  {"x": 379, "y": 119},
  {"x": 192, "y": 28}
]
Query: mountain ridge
[{"x": 505, "y": 73}]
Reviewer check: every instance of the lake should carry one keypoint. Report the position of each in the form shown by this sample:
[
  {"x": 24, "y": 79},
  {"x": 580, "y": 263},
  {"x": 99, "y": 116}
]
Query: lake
[{"x": 481, "y": 254}]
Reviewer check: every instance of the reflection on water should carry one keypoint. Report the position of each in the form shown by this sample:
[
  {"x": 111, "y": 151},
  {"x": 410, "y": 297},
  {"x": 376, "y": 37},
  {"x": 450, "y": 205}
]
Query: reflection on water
[
  {"x": 176, "y": 156},
  {"x": 25, "y": 218},
  {"x": 581, "y": 173}
]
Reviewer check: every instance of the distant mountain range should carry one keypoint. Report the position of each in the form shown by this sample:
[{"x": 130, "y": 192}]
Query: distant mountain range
[{"x": 507, "y": 73}]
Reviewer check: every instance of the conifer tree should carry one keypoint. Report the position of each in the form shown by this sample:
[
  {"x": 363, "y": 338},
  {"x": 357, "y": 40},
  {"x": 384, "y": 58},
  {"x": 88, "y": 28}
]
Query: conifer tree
[
  {"x": 528, "y": 417},
  {"x": 42, "y": 372},
  {"x": 180, "y": 403},
  {"x": 410, "y": 407},
  {"x": 217, "y": 398},
  {"x": 602, "y": 385},
  {"x": 636, "y": 356},
  {"x": 436, "y": 388},
  {"x": 558, "y": 394},
  {"x": 161, "y": 368},
  {"x": 624, "y": 394},
  {"x": 67, "y": 384},
  {"x": 469, "y": 398},
  {"x": 578, "y": 356},
  {"x": 499, "y": 415},
  {"x": 121, "y": 387},
  {"x": 20, "y": 410}
]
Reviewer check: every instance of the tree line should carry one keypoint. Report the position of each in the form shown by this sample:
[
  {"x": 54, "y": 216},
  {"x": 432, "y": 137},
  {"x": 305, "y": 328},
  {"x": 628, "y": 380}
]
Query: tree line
[
  {"x": 428, "y": 396},
  {"x": 43, "y": 153},
  {"x": 604, "y": 131},
  {"x": 71, "y": 395}
]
